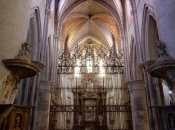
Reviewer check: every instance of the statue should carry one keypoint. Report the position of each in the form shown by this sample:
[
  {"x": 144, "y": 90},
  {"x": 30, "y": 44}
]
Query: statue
[
  {"x": 90, "y": 85},
  {"x": 89, "y": 115},
  {"x": 79, "y": 119},
  {"x": 100, "y": 117},
  {"x": 112, "y": 117},
  {"x": 24, "y": 54},
  {"x": 171, "y": 121},
  {"x": 18, "y": 121},
  {"x": 161, "y": 52},
  {"x": 68, "y": 117}
]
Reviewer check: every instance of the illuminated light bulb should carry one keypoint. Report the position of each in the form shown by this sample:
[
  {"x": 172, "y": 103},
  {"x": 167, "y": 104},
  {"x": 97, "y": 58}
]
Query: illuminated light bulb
[{"x": 170, "y": 92}]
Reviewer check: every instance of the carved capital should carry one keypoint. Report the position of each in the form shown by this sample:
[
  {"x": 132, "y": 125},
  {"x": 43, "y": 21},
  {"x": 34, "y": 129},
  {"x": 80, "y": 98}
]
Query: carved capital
[
  {"x": 32, "y": 13},
  {"x": 47, "y": 85},
  {"x": 59, "y": 27},
  {"x": 135, "y": 85},
  {"x": 47, "y": 11}
]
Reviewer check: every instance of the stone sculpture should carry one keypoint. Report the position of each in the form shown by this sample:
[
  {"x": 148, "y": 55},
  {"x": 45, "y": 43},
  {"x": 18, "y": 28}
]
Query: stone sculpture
[
  {"x": 100, "y": 117},
  {"x": 79, "y": 119},
  {"x": 161, "y": 52},
  {"x": 24, "y": 54}
]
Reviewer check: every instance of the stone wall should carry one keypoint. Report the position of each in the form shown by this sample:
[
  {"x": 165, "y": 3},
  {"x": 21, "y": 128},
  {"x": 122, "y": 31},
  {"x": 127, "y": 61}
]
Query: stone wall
[{"x": 13, "y": 29}]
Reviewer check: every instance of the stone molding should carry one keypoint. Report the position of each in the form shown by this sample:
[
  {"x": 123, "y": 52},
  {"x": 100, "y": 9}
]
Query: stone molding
[
  {"x": 47, "y": 11},
  {"x": 135, "y": 85},
  {"x": 47, "y": 85},
  {"x": 33, "y": 11},
  {"x": 137, "y": 32},
  {"x": 134, "y": 10}
]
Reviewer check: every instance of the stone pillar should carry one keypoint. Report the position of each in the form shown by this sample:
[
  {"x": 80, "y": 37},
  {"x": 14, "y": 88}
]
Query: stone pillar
[
  {"x": 45, "y": 32},
  {"x": 138, "y": 105},
  {"x": 43, "y": 106},
  {"x": 153, "y": 96},
  {"x": 137, "y": 34},
  {"x": 164, "y": 10}
]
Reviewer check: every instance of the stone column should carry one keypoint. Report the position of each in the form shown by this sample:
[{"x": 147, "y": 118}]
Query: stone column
[
  {"x": 138, "y": 105},
  {"x": 43, "y": 106},
  {"x": 164, "y": 10},
  {"x": 153, "y": 96},
  {"x": 45, "y": 32},
  {"x": 137, "y": 34}
]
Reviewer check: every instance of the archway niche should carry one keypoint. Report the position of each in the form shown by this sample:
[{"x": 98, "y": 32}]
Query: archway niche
[{"x": 152, "y": 37}]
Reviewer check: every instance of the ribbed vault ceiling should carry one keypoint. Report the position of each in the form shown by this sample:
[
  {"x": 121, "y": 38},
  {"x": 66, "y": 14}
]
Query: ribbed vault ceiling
[{"x": 90, "y": 20}]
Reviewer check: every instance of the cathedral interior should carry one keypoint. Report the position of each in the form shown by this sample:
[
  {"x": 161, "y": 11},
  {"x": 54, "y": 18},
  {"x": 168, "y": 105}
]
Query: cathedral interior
[{"x": 87, "y": 65}]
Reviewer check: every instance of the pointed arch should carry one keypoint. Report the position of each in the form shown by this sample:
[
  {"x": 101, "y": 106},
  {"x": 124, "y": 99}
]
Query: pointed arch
[
  {"x": 111, "y": 10},
  {"x": 35, "y": 31},
  {"x": 135, "y": 71},
  {"x": 149, "y": 34}
]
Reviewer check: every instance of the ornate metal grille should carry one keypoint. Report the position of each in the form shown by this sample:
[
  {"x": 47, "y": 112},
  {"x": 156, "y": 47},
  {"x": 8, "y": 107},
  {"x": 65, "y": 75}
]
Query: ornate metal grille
[
  {"x": 88, "y": 60},
  {"x": 77, "y": 109},
  {"x": 112, "y": 62}
]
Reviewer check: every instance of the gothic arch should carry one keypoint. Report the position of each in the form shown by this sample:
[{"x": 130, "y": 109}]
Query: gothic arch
[
  {"x": 149, "y": 34},
  {"x": 66, "y": 35},
  {"x": 35, "y": 14},
  {"x": 63, "y": 15},
  {"x": 111, "y": 10},
  {"x": 134, "y": 71},
  {"x": 115, "y": 14},
  {"x": 86, "y": 36},
  {"x": 137, "y": 34}
]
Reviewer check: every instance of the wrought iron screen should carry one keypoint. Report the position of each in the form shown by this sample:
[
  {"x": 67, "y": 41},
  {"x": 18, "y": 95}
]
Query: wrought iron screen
[
  {"x": 90, "y": 61},
  {"x": 80, "y": 109}
]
